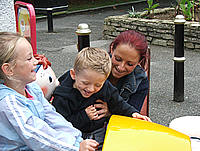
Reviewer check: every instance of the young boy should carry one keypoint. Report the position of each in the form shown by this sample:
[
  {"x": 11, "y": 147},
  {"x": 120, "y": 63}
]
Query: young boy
[{"x": 83, "y": 85}]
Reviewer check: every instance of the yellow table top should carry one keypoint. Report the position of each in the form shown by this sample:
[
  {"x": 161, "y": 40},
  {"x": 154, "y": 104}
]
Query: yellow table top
[{"x": 129, "y": 134}]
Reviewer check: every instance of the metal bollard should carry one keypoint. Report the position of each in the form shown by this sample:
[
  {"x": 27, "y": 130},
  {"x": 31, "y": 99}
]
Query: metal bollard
[
  {"x": 179, "y": 59},
  {"x": 50, "y": 19},
  {"x": 83, "y": 33}
]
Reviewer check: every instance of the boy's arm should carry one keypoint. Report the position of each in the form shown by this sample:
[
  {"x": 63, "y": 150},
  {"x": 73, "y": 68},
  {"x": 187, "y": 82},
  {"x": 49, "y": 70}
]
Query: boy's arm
[{"x": 78, "y": 118}]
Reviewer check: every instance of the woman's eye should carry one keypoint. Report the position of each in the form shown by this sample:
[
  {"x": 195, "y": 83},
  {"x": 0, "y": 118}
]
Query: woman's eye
[
  {"x": 98, "y": 85},
  {"x": 118, "y": 59},
  {"x": 130, "y": 64}
]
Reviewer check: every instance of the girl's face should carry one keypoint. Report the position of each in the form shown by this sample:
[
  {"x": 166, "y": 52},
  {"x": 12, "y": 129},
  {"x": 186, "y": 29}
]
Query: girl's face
[
  {"x": 23, "y": 70},
  {"x": 88, "y": 81},
  {"x": 124, "y": 60}
]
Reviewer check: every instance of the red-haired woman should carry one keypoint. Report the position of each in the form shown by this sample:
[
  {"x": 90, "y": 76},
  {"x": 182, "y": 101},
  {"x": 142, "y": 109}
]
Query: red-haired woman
[{"x": 129, "y": 57}]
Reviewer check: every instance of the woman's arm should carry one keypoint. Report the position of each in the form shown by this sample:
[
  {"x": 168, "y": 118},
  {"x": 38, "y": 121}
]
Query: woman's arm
[{"x": 137, "y": 98}]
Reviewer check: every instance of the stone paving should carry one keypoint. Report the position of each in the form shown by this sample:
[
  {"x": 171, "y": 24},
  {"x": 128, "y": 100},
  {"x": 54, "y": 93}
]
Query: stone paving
[{"x": 60, "y": 48}]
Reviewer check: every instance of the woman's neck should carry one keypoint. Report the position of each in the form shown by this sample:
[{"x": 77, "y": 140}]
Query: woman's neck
[{"x": 113, "y": 80}]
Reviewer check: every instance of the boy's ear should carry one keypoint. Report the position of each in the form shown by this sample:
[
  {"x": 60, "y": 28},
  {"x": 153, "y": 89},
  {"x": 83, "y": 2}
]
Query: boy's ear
[
  {"x": 72, "y": 73},
  {"x": 7, "y": 69}
]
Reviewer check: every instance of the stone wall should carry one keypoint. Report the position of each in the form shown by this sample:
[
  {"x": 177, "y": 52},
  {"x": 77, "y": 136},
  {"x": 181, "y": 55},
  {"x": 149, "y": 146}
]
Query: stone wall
[
  {"x": 158, "y": 32},
  {"x": 7, "y": 16}
]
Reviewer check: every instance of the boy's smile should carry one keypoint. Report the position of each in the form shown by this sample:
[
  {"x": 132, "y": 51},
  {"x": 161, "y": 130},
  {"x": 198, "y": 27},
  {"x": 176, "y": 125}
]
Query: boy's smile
[{"x": 88, "y": 81}]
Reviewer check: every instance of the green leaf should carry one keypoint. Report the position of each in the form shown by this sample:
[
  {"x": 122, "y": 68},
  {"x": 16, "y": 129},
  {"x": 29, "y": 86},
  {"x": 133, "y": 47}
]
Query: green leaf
[
  {"x": 155, "y": 5},
  {"x": 182, "y": 6},
  {"x": 148, "y": 9},
  {"x": 183, "y": 2},
  {"x": 189, "y": 5},
  {"x": 150, "y": 2}
]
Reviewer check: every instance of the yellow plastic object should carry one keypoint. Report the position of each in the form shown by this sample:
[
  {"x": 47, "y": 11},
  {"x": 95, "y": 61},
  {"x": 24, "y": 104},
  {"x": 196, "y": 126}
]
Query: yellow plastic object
[{"x": 129, "y": 134}]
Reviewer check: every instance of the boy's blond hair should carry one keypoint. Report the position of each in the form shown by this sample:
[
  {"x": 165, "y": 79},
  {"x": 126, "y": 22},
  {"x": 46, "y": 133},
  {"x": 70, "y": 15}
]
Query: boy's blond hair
[{"x": 95, "y": 59}]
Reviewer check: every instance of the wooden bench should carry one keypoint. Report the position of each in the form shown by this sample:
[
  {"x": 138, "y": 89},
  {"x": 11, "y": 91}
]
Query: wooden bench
[{"x": 49, "y": 12}]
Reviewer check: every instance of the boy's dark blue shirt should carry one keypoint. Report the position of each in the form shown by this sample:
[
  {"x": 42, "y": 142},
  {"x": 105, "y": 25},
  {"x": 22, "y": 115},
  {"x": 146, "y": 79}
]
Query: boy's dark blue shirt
[{"x": 69, "y": 102}]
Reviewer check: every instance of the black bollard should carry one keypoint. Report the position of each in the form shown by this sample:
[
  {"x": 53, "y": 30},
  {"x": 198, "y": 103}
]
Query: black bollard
[
  {"x": 50, "y": 19},
  {"x": 179, "y": 59},
  {"x": 83, "y": 33}
]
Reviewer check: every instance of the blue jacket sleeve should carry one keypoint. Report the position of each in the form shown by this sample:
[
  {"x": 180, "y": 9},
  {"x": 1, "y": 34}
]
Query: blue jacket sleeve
[
  {"x": 137, "y": 99},
  {"x": 117, "y": 105},
  {"x": 48, "y": 134}
]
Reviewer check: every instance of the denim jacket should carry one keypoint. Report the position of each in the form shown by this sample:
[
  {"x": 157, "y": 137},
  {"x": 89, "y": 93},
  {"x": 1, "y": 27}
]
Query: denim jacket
[{"x": 134, "y": 87}]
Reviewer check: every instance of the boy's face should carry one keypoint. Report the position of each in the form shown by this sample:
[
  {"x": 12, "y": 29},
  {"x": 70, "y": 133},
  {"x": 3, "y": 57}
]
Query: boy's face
[{"x": 88, "y": 81}]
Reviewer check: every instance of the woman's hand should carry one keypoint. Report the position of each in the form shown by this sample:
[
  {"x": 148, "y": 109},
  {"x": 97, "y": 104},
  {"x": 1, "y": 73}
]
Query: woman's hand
[
  {"x": 91, "y": 112},
  {"x": 88, "y": 145},
  {"x": 142, "y": 117},
  {"x": 103, "y": 109}
]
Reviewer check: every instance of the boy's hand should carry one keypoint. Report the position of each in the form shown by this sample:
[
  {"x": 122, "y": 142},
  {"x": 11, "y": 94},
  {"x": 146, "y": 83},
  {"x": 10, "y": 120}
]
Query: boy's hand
[
  {"x": 92, "y": 112},
  {"x": 142, "y": 117},
  {"x": 88, "y": 145}
]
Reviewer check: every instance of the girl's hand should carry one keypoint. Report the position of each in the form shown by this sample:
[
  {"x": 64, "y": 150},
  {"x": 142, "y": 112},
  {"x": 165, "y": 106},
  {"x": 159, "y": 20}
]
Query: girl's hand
[
  {"x": 142, "y": 117},
  {"x": 88, "y": 145},
  {"x": 91, "y": 112},
  {"x": 103, "y": 109}
]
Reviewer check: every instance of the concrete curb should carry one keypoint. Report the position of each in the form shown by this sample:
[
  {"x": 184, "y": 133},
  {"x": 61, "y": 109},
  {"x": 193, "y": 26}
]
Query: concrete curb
[{"x": 91, "y": 9}]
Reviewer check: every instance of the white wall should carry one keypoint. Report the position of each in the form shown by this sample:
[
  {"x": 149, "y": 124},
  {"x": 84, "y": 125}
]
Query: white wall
[{"x": 7, "y": 16}]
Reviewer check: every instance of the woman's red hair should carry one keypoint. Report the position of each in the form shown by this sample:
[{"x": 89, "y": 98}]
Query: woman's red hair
[{"x": 135, "y": 40}]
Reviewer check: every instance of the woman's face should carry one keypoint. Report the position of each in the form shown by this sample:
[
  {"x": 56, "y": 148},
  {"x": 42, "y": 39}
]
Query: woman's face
[{"x": 124, "y": 60}]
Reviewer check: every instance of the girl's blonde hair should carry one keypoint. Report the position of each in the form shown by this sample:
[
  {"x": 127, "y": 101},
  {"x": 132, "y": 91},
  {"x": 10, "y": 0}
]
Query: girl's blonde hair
[
  {"x": 8, "y": 43},
  {"x": 95, "y": 59}
]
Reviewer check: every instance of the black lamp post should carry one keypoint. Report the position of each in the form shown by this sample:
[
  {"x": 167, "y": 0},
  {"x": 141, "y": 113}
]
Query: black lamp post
[{"x": 179, "y": 59}]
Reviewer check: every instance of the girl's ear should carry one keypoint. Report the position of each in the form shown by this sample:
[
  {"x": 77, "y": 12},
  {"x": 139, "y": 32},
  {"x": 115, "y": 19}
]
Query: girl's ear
[
  {"x": 7, "y": 69},
  {"x": 72, "y": 73}
]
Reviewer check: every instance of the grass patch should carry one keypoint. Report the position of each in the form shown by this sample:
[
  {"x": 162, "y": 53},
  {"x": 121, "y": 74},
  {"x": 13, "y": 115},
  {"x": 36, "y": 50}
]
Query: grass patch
[
  {"x": 76, "y": 5},
  {"x": 81, "y": 5}
]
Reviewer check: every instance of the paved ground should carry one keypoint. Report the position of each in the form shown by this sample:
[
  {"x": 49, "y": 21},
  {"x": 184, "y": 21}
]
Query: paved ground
[{"x": 60, "y": 48}]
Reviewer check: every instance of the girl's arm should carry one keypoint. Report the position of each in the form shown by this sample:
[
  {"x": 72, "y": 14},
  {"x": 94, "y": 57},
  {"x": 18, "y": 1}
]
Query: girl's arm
[{"x": 35, "y": 132}]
